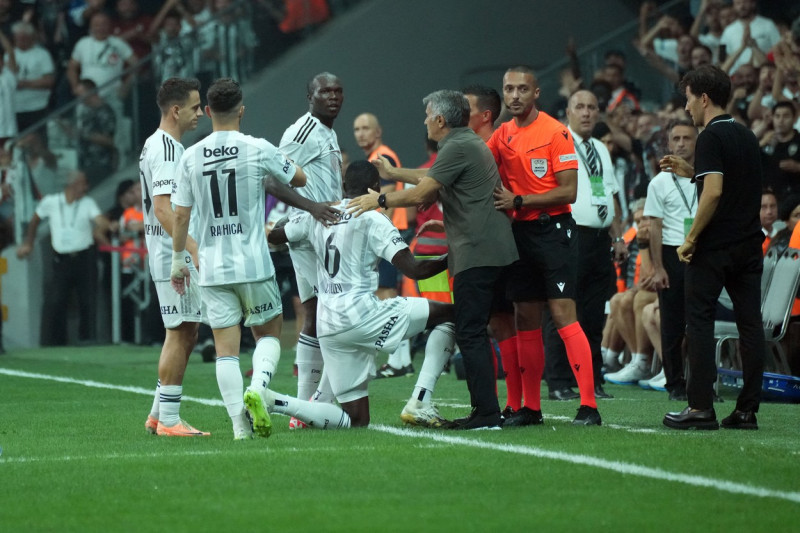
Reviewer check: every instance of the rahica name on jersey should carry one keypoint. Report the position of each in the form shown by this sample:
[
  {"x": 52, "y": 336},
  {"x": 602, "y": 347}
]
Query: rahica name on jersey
[{"x": 221, "y": 230}]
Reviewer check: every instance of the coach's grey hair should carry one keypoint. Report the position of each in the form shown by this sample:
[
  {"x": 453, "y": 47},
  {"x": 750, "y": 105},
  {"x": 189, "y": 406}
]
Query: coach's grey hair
[{"x": 453, "y": 106}]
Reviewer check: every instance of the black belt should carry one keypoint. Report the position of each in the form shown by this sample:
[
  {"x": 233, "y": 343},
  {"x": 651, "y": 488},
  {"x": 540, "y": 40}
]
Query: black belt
[
  {"x": 72, "y": 254},
  {"x": 545, "y": 219}
]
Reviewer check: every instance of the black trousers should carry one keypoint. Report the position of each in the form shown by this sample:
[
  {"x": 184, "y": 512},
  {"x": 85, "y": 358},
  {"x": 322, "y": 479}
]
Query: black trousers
[
  {"x": 672, "y": 306},
  {"x": 596, "y": 280},
  {"x": 76, "y": 271},
  {"x": 738, "y": 269},
  {"x": 473, "y": 290}
]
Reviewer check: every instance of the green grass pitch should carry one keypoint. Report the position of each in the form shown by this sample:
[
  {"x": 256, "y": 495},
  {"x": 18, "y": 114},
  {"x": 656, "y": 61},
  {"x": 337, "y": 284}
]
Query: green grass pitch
[{"x": 75, "y": 457}]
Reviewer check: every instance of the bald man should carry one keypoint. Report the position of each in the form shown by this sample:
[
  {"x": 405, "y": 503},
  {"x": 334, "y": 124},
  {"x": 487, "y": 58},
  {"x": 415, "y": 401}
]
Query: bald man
[{"x": 599, "y": 226}]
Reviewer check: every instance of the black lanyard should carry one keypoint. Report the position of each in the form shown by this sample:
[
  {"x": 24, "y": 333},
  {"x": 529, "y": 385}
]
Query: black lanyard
[
  {"x": 63, "y": 202},
  {"x": 683, "y": 196},
  {"x": 585, "y": 163}
]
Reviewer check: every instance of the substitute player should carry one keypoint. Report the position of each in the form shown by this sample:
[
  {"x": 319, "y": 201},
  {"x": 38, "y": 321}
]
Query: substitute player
[
  {"x": 353, "y": 324},
  {"x": 223, "y": 177},
  {"x": 311, "y": 143},
  {"x": 179, "y": 102}
]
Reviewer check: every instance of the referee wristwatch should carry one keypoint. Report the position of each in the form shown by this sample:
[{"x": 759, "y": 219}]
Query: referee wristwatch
[{"x": 517, "y": 203}]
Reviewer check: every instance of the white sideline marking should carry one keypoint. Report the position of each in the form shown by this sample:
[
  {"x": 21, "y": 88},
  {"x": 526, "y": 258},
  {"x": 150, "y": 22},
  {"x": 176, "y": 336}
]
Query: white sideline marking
[
  {"x": 614, "y": 466},
  {"x": 98, "y": 385}
]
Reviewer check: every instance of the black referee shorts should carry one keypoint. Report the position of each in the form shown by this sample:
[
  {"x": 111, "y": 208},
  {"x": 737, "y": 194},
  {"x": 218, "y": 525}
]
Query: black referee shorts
[{"x": 548, "y": 264}]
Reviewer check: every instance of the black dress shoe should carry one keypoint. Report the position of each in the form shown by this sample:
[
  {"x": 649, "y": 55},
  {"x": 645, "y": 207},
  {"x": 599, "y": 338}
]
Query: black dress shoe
[
  {"x": 524, "y": 417},
  {"x": 689, "y": 419},
  {"x": 492, "y": 421},
  {"x": 740, "y": 420},
  {"x": 600, "y": 393},
  {"x": 563, "y": 394}
]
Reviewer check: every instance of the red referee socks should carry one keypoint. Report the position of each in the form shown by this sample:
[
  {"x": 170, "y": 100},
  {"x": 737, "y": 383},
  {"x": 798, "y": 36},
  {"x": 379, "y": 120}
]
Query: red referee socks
[
  {"x": 580, "y": 359},
  {"x": 530, "y": 350}
]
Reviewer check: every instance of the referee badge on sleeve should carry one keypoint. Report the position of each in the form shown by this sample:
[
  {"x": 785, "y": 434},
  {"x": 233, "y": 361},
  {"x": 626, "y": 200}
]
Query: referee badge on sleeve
[{"x": 539, "y": 167}]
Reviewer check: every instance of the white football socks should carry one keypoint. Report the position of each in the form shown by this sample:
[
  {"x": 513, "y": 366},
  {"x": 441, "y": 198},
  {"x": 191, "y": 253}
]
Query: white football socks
[
  {"x": 265, "y": 359},
  {"x": 170, "y": 405},
  {"x": 231, "y": 386},
  {"x": 309, "y": 366},
  {"x": 316, "y": 415},
  {"x": 438, "y": 350},
  {"x": 156, "y": 401},
  {"x": 324, "y": 392}
]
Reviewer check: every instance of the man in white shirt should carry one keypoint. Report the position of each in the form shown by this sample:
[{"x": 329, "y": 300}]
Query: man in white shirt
[
  {"x": 671, "y": 205},
  {"x": 101, "y": 57},
  {"x": 762, "y": 30},
  {"x": 35, "y": 76},
  {"x": 596, "y": 211},
  {"x": 179, "y": 102},
  {"x": 75, "y": 224},
  {"x": 223, "y": 177},
  {"x": 311, "y": 143},
  {"x": 353, "y": 324}
]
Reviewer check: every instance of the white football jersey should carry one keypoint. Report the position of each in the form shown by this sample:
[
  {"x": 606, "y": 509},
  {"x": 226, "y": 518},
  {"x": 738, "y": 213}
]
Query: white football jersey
[
  {"x": 315, "y": 148},
  {"x": 348, "y": 253},
  {"x": 158, "y": 166},
  {"x": 222, "y": 177}
]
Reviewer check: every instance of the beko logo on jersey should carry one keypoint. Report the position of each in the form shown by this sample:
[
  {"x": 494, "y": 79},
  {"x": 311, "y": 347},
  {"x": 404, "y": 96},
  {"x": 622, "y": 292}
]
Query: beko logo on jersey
[
  {"x": 220, "y": 152},
  {"x": 387, "y": 328},
  {"x": 226, "y": 229}
]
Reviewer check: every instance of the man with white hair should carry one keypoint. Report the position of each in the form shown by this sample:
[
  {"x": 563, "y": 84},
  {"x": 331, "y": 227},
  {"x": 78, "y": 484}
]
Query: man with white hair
[{"x": 35, "y": 76}]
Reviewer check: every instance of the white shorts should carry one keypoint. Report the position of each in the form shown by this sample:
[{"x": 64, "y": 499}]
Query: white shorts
[
  {"x": 304, "y": 261},
  {"x": 350, "y": 355},
  {"x": 176, "y": 309},
  {"x": 258, "y": 302}
]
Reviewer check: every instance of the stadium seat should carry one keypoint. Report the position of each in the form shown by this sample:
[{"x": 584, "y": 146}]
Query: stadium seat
[{"x": 778, "y": 295}]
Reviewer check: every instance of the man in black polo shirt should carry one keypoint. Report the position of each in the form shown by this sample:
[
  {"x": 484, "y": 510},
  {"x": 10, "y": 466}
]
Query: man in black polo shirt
[{"x": 722, "y": 249}]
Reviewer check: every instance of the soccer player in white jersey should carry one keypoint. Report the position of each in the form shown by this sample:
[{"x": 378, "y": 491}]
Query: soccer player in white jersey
[
  {"x": 311, "y": 143},
  {"x": 353, "y": 324},
  {"x": 179, "y": 102},
  {"x": 222, "y": 177}
]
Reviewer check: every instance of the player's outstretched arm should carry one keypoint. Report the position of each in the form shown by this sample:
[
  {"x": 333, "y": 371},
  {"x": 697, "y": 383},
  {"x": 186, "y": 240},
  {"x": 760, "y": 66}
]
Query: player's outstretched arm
[
  {"x": 320, "y": 211},
  {"x": 406, "y": 263},
  {"x": 388, "y": 171}
]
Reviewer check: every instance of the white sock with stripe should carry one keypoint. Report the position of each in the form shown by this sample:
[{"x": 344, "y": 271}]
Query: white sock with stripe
[
  {"x": 316, "y": 415},
  {"x": 309, "y": 366},
  {"x": 438, "y": 351},
  {"x": 170, "y": 405},
  {"x": 265, "y": 359}
]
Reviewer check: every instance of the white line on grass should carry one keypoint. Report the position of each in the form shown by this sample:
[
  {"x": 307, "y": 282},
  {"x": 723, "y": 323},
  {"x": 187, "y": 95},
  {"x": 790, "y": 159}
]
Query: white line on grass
[
  {"x": 98, "y": 385},
  {"x": 615, "y": 466}
]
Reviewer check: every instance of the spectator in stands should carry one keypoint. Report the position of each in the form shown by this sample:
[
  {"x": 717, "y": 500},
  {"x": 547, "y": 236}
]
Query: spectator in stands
[
  {"x": 743, "y": 86},
  {"x": 41, "y": 162},
  {"x": 780, "y": 151},
  {"x": 35, "y": 76},
  {"x": 708, "y": 18},
  {"x": 101, "y": 58},
  {"x": 620, "y": 94},
  {"x": 762, "y": 101},
  {"x": 8, "y": 84},
  {"x": 768, "y": 216},
  {"x": 173, "y": 50},
  {"x": 96, "y": 123},
  {"x": 231, "y": 41},
  {"x": 78, "y": 18},
  {"x": 133, "y": 27},
  {"x": 789, "y": 213},
  {"x": 748, "y": 38},
  {"x": 663, "y": 37},
  {"x": 75, "y": 225}
]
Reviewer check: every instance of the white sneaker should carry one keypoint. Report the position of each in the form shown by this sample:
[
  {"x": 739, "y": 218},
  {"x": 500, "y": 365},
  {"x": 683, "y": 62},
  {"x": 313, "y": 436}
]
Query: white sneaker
[
  {"x": 658, "y": 382},
  {"x": 631, "y": 374},
  {"x": 417, "y": 413}
]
